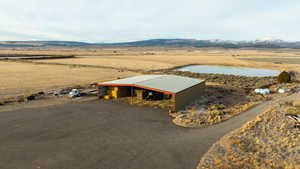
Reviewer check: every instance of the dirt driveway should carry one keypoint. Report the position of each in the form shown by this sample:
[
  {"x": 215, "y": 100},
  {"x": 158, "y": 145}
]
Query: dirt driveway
[{"x": 104, "y": 135}]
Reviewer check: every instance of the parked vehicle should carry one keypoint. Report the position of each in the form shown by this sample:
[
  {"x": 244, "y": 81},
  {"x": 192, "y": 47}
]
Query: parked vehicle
[
  {"x": 262, "y": 91},
  {"x": 74, "y": 93}
]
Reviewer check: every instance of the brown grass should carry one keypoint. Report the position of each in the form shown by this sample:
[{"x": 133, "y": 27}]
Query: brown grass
[
  {"x": 269, "y": 141},
  {"x": 25, "y": 77},
  {"x": 20, "y": 78},
  {"x": 116, "y": 62},
  {"x": 158, "y": 58},
  {"x": 296, "y": 103},
  {"x": 194, "y": 119}
]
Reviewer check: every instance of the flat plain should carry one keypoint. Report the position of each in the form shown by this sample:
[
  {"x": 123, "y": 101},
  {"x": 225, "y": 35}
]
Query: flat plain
[
  {"x": 151, "y": 59},
  {"x": 90, "y": 65}
]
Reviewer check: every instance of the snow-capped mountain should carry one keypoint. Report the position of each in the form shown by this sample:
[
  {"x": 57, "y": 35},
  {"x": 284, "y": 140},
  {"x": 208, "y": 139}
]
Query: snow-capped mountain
[{"x": 269, "y": 39}]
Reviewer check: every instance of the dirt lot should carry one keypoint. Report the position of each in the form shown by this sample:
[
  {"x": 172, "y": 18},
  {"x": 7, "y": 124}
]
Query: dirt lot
[{"x": 102, "y": 134}]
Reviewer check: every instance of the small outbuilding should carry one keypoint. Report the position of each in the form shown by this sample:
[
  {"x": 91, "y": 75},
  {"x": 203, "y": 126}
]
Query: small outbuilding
[{"x": 179, "y": 90}]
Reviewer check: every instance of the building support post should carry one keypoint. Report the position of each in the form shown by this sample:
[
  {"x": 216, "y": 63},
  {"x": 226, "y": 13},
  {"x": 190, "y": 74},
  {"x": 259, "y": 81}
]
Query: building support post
[
  {"x": 131, "y": 95},
  {"x": 174, "y": 103},
  {"x": 98, "y": 92}
]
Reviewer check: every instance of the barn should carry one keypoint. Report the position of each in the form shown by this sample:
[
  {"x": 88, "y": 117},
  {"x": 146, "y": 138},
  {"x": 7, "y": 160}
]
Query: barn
[{"x": 179, "y": 90}]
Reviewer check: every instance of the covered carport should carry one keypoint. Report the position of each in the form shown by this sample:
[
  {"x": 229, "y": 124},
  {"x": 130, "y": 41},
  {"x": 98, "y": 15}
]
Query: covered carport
[{"x": 178, "y": 89}]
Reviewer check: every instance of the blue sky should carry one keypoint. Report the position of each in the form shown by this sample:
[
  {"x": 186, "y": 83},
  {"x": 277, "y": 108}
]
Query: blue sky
[{"x": 130, "y": 20}]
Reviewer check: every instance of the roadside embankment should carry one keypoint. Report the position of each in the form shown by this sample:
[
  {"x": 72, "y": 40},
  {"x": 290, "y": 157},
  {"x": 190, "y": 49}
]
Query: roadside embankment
[{"x": 269, "y": 141}]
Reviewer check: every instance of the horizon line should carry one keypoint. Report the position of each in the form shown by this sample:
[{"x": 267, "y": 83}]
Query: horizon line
[{"x": 130, "y": 41}]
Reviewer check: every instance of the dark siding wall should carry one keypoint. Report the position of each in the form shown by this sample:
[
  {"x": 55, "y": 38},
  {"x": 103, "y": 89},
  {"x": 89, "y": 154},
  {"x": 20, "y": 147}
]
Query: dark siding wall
[{"x": 187, "y": 96}]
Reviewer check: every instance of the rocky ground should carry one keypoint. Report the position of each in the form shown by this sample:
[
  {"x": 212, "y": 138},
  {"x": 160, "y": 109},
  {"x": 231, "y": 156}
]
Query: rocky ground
[
  {"x": 270, "y": 141},
  {"x": 216, "y": 104},
  {"x": 219, "y": 103}
]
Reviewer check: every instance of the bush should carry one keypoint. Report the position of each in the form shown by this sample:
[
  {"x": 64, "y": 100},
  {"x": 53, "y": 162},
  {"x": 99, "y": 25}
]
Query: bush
[
  {"x": 284, "y": 77},
  {"x": 29, "y": 97}
]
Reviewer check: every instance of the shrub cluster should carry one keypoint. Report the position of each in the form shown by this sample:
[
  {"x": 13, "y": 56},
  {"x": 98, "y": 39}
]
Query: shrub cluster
[{"x": 284, "y": 77}]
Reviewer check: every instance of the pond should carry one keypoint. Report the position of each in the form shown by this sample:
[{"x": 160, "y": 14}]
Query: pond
[{"x": 230, "y": 70}]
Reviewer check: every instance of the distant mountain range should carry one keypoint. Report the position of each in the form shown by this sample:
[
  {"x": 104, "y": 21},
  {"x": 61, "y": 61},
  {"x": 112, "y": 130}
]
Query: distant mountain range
[{"x": 261, "y": 43}]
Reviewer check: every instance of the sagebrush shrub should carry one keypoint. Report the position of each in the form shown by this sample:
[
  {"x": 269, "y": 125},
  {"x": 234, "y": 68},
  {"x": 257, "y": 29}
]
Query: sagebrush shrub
[{"x": 284, "y": 77}]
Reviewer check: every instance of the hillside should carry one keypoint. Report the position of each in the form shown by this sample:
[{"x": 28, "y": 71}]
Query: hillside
[{"x": 157, "y": 42}]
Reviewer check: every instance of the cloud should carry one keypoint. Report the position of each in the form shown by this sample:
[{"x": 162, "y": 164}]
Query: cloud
[{"x": 129, "y": 20}]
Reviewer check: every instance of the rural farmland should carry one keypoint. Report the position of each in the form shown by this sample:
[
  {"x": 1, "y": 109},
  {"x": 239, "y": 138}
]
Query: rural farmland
[
  {"x": 223, "y": 98},
  {"x": 114, "y": 84}
]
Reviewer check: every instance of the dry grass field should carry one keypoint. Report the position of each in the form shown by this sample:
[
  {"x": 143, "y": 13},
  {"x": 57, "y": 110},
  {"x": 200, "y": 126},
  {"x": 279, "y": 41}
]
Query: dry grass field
[
  {"x": 161, "y": 59},
  {"x": 115, "y": 62},
  {"x": 19, "y": 78},
  {"x": 22, "y": 78},
  {"x": 154, "y": 60}
]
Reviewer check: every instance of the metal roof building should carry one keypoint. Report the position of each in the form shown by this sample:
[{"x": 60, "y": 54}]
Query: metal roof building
[
  {"x": 164, "y": 83},
  {"x": 183, "y": 89}
]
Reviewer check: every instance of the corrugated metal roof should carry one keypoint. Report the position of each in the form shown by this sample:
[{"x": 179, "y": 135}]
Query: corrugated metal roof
[
  {"x": 132, "y": 80},
  {"x": 168, "y": 83}
]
